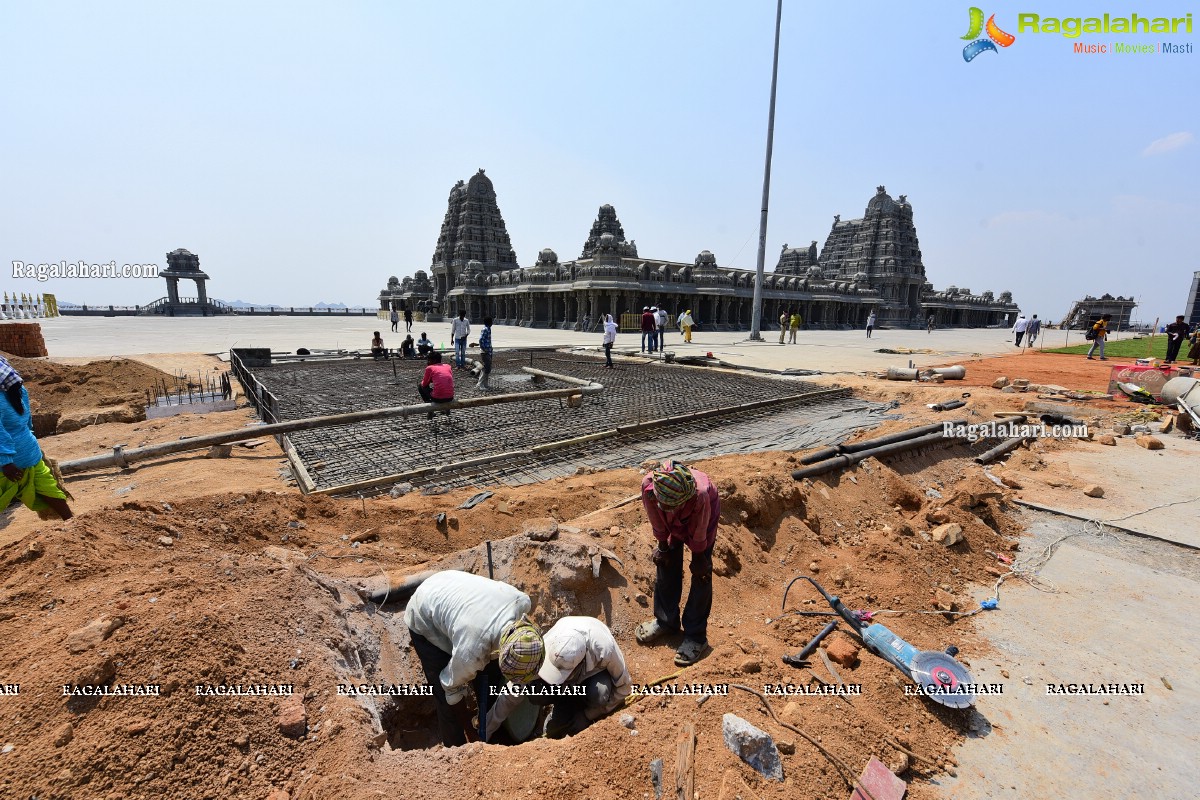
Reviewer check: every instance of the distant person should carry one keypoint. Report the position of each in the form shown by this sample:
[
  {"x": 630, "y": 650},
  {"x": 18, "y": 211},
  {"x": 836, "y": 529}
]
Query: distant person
[
  {"x": 395, "y": 321},
  {"x": 1098, "y": 334},
  {"x": 929, "y": 324},
  {"x": 870, "y": 323},
  {"x": 1032, "y": 330},
  {"x": 437, "y": 383},
  {"x": 687, "y": 323},
  {"x": 581, "y": 652},
  {"x": 1020, "y": 328},
  {"x": 783, "y": 324},
  {"x": 408, "y": 348},
  {"x": 1194, "y": 350},
  {"x": 377, "y": 348},
  {"x": 649, "y": 330},
  {"x": 408, "y": 319},
  {"x": 460, "y": 329},
  {"x": 661, "y": 317},
  {"x": 424, "y": 346},
  {"x": 1177, "y": 331},
  {"x": 794, "y": 323},
  {"x": 610, "y": 338},
  {"x": 683, "y": 508},
  {"x": 25, "y": 474},
  {"x": 469, "y": 630},
  {"x": 485, "y": 354},
  {"x": 587, "y": 323}
]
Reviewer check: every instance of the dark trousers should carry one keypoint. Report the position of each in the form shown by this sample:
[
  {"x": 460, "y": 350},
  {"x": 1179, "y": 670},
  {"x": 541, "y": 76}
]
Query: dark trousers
[
  {"x": 608, "y": 354},
  {"x": 1173, "y": 346},
  {"x": 395, "y": 326},
  {"x": 486, "y": 358},
  {"x": 668, "y": 589},
  {"x": 426, "y": 393},
  {"x": 649, "y": 336},
  {"x": 433, "y": 661},
  {"x": 1020, "y": 336},
  {"x": 869, "y": 329}
]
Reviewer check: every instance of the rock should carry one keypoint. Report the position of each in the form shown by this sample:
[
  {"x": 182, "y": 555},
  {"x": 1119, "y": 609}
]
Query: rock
[
  {"x": 944, "y": 601},
  {"x": 64, "y": 735},
  {"x": 751, "y": 666},
  {"x": 899, "y": 764},
  {"x": 92, "y": 634},
  {"x": 1000, "y": 382},
  {"x": 939, "y": 516},
  {"x": 787, "y": 747},
  {"x": 400, "y": 489},
  {"x": 99, "y": 673},
  {"x": 877, "y": 779},
  {"x": 220, "y": 451},
  {"x": 641, "y": 600},
  {"x": 540, "y": 529},
  {"x": 995, "y": 572},
  {"x": 1011, "y": 482},
  {"x": 292, "y": 720},
  {"x": 948, "y": 534},
  {"x": 814, "y": 567},
  {"x": 1122, "y": 429},
  {"x": 1149, "y": 442},
  {"x": 137, "y": 727},
  {"x": 842, "y": 650},
  {"x": 241, "y": 741},
  {"x": 753, "y": 746},
  {"x": 1020, "y": 383},
  {"x": 166, "y": 541},
  {"x": 1108, "y": 439},
  {"x": 1008, "y": 390},
  {"x": 364, "y": 536},
  {"x": 628, "y": 721},
  {"x": 936, "y": 378},
  {"x": 1094, "y": 491},
  {"x": 278, "y": 794}
]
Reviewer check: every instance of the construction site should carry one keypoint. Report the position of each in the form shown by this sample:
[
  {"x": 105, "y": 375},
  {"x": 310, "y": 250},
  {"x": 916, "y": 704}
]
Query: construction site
[{"x": 908, "y": 600}]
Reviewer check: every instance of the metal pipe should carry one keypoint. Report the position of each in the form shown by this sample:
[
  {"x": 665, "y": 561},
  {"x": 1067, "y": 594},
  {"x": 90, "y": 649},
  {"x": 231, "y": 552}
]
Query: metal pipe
[
  {"x": 589, "y": 387},
  {"x": 1006, "y": 446},
  {"x": 948, "y": 406},
  {"x": 955, "y": 373},
  {"x": 850, "y": 459},
  {"x": 228, "y": 437},
  {"x": 867, "y": 444}
]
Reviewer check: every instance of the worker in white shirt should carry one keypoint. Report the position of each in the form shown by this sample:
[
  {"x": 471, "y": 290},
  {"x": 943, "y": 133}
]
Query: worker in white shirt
[
  {"x": 460, "y": 329},
  {"x": 1019, "y": 329},
  {"x": 580, "y": 653},
  {"x": 470, "y": 629}
]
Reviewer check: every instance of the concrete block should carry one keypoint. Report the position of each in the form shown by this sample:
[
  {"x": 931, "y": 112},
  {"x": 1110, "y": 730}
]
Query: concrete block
[{"x": 753, "y": 746}]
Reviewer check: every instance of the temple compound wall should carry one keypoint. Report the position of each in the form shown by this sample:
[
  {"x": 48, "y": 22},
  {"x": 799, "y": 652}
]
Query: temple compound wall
[{"x": 869, "y": 264}]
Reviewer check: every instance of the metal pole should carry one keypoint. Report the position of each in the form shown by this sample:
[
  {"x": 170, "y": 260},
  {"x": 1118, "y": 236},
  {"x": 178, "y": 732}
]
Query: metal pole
[{"x": 760, "y": 269}]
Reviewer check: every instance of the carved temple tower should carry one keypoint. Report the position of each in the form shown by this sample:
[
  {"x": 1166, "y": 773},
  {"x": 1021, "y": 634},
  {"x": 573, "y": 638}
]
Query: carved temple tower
[
  {"x": 473, "y": 236},
  {"x": 607, "y": 222}
]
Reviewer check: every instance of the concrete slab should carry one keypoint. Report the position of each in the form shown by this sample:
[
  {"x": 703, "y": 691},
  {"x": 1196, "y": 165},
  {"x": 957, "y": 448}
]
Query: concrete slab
[
  {"x": 1114, "y": 619},
  {"x": 827, "y": 351},
  {"x": 1144, "y": 490}
]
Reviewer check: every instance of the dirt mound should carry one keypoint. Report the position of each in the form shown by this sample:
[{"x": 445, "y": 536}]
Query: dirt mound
[
  {"x": 67, "y": 397},
  {"x": 255, "y": 589}
]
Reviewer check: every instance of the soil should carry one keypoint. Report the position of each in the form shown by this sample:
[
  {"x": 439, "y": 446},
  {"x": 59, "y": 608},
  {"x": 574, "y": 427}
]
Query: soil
[
  {"x": 69, "y": 397},
  {"x": 184, "y": 580}
]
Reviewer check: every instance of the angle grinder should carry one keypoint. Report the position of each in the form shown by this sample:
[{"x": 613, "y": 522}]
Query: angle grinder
[{"x": 941, "y": 678}]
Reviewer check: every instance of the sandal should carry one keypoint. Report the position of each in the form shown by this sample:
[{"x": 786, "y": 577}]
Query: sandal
[
  {"x": 689, "y": 653},
  {"x": 650, "y": 632}
]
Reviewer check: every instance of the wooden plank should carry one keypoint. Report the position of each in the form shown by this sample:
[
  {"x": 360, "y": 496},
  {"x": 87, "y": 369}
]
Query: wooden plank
[{"x": 685, "y": 769}]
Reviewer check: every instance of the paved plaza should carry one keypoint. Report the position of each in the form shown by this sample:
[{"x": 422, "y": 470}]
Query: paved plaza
[{"x": 826, "y": 351}]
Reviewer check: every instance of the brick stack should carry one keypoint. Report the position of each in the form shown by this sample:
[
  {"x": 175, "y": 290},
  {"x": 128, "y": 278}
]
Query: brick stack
[{"x": 22, "y": 339}]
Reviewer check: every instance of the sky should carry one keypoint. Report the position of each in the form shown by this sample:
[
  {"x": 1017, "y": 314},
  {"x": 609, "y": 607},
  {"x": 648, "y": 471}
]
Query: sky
[{"x": 305, "y": 151}]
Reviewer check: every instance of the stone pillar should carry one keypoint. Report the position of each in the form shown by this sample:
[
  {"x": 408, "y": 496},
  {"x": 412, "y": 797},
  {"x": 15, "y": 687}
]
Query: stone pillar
[
  {"x": 173, "y": 290},
  {"x": 201, "y": 293}
]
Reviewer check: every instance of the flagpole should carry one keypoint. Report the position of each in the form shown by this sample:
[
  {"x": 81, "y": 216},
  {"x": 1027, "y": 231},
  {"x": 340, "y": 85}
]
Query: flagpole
[{"x": 760, "y": 270}]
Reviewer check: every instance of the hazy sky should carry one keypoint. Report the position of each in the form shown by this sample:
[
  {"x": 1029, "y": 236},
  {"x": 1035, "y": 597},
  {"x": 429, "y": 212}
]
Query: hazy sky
[{"x": 305, "y": 151}]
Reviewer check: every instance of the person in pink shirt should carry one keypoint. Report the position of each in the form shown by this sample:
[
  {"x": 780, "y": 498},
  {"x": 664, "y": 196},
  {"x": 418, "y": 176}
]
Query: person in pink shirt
[
  {"x": 437, "y": 384},
  {"x": 683, "y": 508}
]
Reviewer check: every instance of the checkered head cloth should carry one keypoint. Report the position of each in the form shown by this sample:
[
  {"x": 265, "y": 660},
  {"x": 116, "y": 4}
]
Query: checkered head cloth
[
  {"x": 673, "y": 484},
  {"x": 9, "y": 377},
  {"x": 521, "y": 651}
]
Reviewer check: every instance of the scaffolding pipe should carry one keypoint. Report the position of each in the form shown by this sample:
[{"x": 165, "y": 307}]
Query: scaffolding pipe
[
  {"x": 867, "y": 444},
  {"x": 121, "y": 457},
  {"x": 850, "y": 459}
]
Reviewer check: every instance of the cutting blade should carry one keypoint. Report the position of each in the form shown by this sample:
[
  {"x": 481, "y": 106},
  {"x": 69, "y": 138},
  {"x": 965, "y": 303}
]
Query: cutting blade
[{"x": 943, "y": 679}]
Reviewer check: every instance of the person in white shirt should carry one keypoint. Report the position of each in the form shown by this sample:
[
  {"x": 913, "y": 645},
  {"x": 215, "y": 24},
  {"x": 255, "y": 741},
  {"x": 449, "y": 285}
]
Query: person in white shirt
[
  {"x": 610, "y": 338},
  {"x": 470, "y": 629},
  {"x": 870, "y": 323},
  {"x": 1019, "y": 328},
  {"x": 662, "y": 316},
  {"x": 460, "y": 329},
  {"x": 581, "y": 652}
]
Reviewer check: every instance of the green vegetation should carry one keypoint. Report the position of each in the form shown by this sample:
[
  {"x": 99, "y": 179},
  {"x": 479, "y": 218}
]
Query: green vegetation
[{"x": 1125, "y": 348}]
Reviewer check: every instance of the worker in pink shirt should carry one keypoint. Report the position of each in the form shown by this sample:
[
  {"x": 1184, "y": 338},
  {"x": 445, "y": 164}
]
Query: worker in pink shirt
[
  {"x": 683, "y": 508},
  {"x": 437, "y": 384}
]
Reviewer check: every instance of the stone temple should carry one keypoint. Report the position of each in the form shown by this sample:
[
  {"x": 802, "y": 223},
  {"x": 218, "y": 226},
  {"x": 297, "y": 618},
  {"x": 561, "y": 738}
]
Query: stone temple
[{"x": 868, "y": 264}]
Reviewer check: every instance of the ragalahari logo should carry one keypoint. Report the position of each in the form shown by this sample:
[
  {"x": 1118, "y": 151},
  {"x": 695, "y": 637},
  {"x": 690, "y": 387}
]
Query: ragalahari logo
[{"x": 994, "y": 35}]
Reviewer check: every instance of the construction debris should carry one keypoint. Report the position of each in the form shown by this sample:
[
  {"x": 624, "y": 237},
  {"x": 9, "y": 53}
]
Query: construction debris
[{"x": 752, "y": 745}]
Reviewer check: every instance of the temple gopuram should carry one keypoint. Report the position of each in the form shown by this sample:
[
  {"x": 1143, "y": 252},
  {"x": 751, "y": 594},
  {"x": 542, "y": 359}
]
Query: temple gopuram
[{"x": 868, "y": 264}]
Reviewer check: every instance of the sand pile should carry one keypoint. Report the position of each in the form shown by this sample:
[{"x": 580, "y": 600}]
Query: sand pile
[
  {"x": 257, "y": 589},
  {"x": 66, "y": 398}
]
